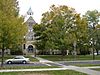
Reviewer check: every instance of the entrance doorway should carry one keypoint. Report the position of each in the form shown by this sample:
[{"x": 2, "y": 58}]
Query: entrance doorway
[{"x": 30, "y": 49}]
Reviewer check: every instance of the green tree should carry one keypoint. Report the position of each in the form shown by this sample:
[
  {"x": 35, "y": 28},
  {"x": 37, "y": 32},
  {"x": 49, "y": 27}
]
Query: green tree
[
  {"x": 12, "y": 28},
  {"x": 93, "y": 19},
  {"x": 82, "y": 34},
  {"x": 60, "y": 28}
]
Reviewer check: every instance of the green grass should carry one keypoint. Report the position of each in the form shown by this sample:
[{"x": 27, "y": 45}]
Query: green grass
[
  {"x": 27, "y": 67},
  {"x": 32, "y": 59},
  {"x": 97, "y": 69},
  {"x": 69, "y": 57},
  {"x": 87, "y": 65},
  {"x": 64, "y": 72}
]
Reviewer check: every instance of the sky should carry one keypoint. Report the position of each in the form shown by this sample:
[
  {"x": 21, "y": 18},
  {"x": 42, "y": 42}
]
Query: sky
[{"x": 41, "y": 6}]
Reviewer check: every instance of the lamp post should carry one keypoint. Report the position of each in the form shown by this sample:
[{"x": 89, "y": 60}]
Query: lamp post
[{"x": 24, "y": 45}]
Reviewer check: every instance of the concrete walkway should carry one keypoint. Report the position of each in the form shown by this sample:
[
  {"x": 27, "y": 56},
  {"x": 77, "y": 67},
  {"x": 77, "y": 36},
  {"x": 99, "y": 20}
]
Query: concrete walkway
[
  {"x": 22, "y": 70},
  {"x": 84, "y": 70},
  {"x": 75, "y": 68},
  {"x": 92, "y": 67},
  {"x": 43, "y": 60}
]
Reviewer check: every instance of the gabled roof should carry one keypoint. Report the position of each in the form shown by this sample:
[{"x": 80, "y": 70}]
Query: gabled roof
[
  {"x": 30, "y": 12},
  {"x": 31, "y": 20}
]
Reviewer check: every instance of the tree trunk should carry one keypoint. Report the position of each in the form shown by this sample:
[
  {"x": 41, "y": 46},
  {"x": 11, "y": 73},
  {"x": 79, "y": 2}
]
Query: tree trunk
[
  {"x": 97, "y": 51},
  {"x": 63, "y": 54},
  {"x": 35, "y": 52},
  {"x": 2, "y": 56},
  {"x": 93, "y": 49}
]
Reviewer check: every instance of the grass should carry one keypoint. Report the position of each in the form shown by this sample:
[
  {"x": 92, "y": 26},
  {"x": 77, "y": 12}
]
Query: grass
[
  {"x": 27, "y": 67},
  {"x": 32, "y": 59},
  {"x": 69, "y": 57},
  {"x": 87, "y": 65},
  {"x": 64, "y": 72},
  {"x": 97, "y": 69}
]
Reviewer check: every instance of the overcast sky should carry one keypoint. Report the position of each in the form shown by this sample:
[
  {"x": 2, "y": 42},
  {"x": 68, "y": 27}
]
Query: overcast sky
[{"x": 41, "y": 6}]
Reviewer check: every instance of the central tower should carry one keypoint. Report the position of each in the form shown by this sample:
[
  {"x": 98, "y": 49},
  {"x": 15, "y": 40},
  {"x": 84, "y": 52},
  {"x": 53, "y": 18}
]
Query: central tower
[{"x": 29, "y": 37}]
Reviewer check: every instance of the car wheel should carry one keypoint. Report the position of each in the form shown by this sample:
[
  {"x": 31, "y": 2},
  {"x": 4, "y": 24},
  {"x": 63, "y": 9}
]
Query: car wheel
[
  {"x": 24, "y": 62},
  {"x": 9, "y": 62}
]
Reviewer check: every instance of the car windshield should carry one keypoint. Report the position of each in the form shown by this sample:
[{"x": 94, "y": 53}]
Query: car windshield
[{"x": 19, "y": 57}]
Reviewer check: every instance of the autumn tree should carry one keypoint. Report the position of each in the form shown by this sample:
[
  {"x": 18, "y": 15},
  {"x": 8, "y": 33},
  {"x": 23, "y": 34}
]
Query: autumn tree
[
  {"x": 60, "y": 28},
  {"x": 12, "y": 28}
]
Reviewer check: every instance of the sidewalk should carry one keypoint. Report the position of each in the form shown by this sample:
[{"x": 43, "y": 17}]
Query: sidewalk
[
  {"x": 43, "y": 60},
  {"x": 84, "y": 70},
  {"x": 24, "y": 70}
]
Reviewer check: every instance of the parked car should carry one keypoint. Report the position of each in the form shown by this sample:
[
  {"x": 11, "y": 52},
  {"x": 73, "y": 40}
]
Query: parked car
[
  {"x": 18, "y": 59},
  {"x": 95, "y": 53}
]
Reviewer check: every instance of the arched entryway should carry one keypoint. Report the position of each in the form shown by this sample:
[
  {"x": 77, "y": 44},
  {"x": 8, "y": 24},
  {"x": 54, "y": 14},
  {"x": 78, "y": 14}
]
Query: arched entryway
[{"x": 30, "y": 49}]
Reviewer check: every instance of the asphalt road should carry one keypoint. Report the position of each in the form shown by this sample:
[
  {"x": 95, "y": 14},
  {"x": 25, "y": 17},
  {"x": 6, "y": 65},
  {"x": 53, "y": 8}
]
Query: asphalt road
[
  {"x": 29, "y": 64},
  {"x": 54, "y": 64}
]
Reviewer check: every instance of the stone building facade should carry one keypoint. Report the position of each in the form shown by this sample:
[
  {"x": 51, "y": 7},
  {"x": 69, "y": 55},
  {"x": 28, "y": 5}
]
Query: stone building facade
[{"x": 29, "y": 37}]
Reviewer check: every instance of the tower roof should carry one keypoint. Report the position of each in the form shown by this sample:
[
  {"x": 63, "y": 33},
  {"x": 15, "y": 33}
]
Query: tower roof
[
  {"x": 31, "y": 20},
  {"x": 30, "y": 12}
]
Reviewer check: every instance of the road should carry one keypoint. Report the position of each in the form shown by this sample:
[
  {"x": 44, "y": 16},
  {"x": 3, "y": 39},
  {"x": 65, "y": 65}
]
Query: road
[
  {"x": 53, "y": 64},
  {"x": 29, "y": 64}
]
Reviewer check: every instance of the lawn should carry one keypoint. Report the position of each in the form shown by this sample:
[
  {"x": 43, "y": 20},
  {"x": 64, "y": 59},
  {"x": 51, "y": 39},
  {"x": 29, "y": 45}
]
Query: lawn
[
  {"x": 87, "y": 65},
  {"x": 69, "y": 57},
  {"x": 32, "y": 59},
  {"x": 97, "y": 69},
  {"x": 27, "y": 67},
  {"x": 64, "y": 72}
]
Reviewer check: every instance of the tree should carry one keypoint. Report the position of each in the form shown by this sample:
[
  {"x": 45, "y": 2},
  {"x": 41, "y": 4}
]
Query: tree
[
  {"x": 93, "y": 19},
  {"x": 39, "y": 37},
  {"x": 82, "y": 34},
  {"x": 60, "y": 27},
  {"x": 12, "y": 28}
]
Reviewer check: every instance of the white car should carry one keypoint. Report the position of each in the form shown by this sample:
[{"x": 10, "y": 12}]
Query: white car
[{"x": 18, "y": 59}]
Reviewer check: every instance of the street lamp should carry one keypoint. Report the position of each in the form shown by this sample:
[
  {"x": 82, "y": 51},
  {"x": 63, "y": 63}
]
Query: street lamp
[
  {"x": 24, "y": 42},
  {"x": 24, "y": 45}
]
